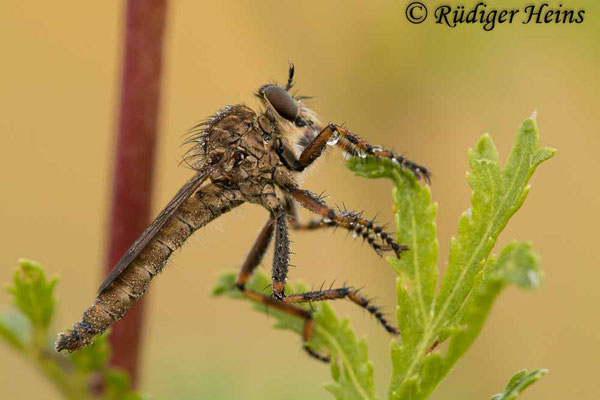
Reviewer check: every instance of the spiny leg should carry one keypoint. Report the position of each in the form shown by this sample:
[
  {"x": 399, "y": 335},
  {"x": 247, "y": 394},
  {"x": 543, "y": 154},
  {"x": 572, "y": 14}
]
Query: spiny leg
[
  {"x": 340, "y": 293},
  {"x": 351, "y": 144},
  {"x": 281, "y": 254},
  {"x": 330, "y": 294},
  {"x": 357, "y": 146},
  {"x": 349, "y": 224},
  {"x": 279, "y": 276},
  {"x": 306, "y": 315},
  {"x": 351, "y": 221},
  {"x": 312, "y": 224},
  {"x": 286, "y": 303},
  {"x": 256, "y": 254},
  {"x": 253, "y": 259},
  {"x": 294, "y": 218}
]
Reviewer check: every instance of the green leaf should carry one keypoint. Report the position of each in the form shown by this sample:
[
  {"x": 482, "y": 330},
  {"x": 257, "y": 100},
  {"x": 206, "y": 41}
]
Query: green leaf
[
  {"x": 497, "y": 195},
  {"x": 351, "y": 369},
  {"x": 91, "y": 363},
  {"x": 417, "y": 269},
  {"x": 26, "y": 329},
  {"x": 415, "y": 219},
  {"x": 515, "y": 261},
  {"x": 117, "y": 386},
  {"x": 519, "y": 382},
  {"x": 473, "y": 279},
  {"x": 519, "y": 265},
  {"x": 33, "y": 295},
  {"x": 14, "y": 329}
]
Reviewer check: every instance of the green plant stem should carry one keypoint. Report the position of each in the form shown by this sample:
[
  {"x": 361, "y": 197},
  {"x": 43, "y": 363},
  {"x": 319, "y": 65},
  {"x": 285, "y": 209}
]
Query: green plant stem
[{"x": 50, "y": 366}]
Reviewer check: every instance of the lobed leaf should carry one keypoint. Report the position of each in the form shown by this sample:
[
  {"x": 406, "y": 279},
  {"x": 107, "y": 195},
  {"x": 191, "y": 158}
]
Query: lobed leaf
[
  {"x": 497, "y": 195},
  {"x": 515, "y": 261},
  {"x": 473, "y": 279},
  {"x": 415, "y": 221},
  {"x": 351, "y": 369},
  {"x": 81, "y": 374},
  {"x": 519, "y": 382},
  {"x": 33, "y": 295}
]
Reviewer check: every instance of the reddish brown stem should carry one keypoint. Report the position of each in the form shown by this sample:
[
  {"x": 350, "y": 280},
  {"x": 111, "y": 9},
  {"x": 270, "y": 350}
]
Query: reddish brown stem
[{"x": 135, "y": 156}]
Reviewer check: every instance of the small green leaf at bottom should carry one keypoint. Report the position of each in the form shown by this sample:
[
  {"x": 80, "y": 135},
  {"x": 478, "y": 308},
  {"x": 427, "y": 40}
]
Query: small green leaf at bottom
[{"x": 519, "y": 382}]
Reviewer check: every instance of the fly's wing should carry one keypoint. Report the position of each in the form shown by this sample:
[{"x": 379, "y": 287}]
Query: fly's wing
[{"x": 152, "y": 230}]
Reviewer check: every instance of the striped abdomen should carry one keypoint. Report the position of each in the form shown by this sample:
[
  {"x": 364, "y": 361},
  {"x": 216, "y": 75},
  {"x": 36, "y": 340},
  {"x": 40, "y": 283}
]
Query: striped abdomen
[{"x": 206, "y": 204}]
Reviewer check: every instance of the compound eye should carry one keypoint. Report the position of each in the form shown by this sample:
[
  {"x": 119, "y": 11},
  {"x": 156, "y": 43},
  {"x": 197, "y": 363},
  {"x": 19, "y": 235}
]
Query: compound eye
[{"x": 282, "y": 102}]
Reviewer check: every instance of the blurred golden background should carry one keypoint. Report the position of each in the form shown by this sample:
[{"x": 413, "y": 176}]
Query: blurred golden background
[{"x": 424, "y": 89}]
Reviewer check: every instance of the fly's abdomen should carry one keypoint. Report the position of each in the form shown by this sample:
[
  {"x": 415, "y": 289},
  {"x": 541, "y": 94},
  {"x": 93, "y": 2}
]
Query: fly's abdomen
[{"x": 113, "y": 302}]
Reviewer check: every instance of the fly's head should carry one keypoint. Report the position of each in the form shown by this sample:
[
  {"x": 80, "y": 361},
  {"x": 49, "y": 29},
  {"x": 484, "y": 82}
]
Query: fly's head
[{"x": 292, "y": 119}]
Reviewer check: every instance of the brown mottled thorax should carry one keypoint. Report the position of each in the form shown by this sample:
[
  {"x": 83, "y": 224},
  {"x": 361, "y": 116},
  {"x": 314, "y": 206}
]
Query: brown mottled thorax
[{"x": 247, "y": 140}]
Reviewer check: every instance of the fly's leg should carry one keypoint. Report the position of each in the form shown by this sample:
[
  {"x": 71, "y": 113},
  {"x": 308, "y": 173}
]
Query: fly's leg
[
  {"x": 253, "y": 259},
  {"x": 349, "y": 223},
  {"x": 332, "y": 294},
  {"x": 341, "y": 293},
  {"x": 281, "y": 255},
  {"x": 356, "y": 146},
  {"x": 311, "y": 225},
  {"x": 294, "y": 218},
  {"x": 256, "y": 254},
  {"x": 278, "y": 225},
  {"x": 286, "y": 303},
  {"x": 349, "y": 143},
  {"x": 294, "y": 310},
  {"x": 348, "y": 220}
]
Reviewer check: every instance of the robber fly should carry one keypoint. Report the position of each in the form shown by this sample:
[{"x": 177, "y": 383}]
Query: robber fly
[{"x": 242, "y": 156}]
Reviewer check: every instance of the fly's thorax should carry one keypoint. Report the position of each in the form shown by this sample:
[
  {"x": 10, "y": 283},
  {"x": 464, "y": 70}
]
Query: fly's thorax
[
  {"x": 252, "y": 159},
  {"x": 216, "y": 136}
]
